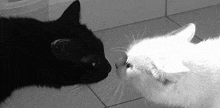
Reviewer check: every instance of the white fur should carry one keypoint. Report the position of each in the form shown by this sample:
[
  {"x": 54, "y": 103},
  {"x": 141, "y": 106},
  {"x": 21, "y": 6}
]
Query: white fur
[{"x": 194, "y": 68}]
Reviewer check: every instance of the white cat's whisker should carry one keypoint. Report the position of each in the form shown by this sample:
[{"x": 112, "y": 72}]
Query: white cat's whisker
[
  {"x": 127, "y": 39},
  {"x": 122, "y": 91},
  {"x": 78, "y": 89},
  {"x": 126, "y": 36},
  {"x": 187, "y": 74},
  {"x": 132, "y": 34},
  {"x": 133, "y": 38},
  {"x": 121, "y": 49},
  {"x": 143, "y": 34},
  {"x": 116, "y": 91},
  {"x": 138, "y": 34}
]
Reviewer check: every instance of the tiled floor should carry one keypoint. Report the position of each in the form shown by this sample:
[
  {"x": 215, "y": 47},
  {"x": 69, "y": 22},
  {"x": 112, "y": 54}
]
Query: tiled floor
[
  {"x": 207, "y": 21},
  {"x": 103, "y": 94}
]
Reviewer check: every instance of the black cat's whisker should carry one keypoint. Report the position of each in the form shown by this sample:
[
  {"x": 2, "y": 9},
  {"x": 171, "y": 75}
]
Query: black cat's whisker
[{"x": 78, "y": 88}]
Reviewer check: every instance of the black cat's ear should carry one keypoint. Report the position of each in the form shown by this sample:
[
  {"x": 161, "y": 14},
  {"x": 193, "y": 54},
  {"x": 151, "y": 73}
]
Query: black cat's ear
[
  {"x": 72, "y": 14},
  {"x": 58, "y": 48},
  {"x": 59, "y": 41}
]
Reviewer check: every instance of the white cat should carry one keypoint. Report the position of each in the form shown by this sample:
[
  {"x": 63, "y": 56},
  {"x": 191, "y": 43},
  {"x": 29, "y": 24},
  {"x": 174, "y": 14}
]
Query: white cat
[{"x": 172, "y": 71}]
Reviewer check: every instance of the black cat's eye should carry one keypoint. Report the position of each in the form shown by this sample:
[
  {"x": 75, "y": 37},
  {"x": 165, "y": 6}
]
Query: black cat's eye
[
  {"x": 94, "y": 64},
  {"x": 92, "y": 60}
]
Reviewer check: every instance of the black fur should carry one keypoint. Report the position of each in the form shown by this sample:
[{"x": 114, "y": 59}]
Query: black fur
[{"x": 30, "y": 54}]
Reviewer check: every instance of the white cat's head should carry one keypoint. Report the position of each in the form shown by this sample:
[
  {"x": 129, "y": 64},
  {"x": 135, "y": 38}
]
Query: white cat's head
[{"x": 162, "y": 53}]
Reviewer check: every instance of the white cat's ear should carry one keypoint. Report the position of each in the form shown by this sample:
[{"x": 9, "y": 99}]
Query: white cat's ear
[
  {"x": 186, "y": 32},
  {"x": 171, "y": 66}
]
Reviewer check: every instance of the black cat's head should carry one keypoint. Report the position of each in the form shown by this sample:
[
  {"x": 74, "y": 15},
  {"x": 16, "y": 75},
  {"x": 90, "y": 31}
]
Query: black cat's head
[{"x": 78, "y": 49}]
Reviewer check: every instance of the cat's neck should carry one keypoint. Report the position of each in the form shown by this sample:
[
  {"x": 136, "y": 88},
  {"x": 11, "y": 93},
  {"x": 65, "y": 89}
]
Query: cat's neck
[{"x": 205, "y": 53}]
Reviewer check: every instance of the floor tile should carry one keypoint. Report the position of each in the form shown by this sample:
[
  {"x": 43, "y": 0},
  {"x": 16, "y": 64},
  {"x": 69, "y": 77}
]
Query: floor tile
[
  {"x": 177, "y": 6},
  {"x": 207, "y": 21},
  {"x": 196, "y": 40},
  {"x": 119, "y": 12},
  {"x": 121, "y": 37},
  {"x": 67, "y": 97},
  {"x": 140, "y": 103},
  {"x": 133, "y": 104}
]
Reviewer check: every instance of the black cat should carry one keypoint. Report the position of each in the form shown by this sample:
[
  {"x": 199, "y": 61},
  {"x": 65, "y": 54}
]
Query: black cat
[{"x": 52, "y": 54}]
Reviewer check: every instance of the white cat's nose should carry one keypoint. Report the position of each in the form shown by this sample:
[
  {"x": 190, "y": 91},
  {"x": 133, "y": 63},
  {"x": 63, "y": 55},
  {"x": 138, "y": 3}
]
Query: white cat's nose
[
  {"x": 121, "y": 67},
  {"x": 121, "y": 62}
]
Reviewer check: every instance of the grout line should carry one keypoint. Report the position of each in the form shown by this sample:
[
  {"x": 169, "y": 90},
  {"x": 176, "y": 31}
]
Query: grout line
[
  {"x": 198, "y": 38},
  {"x": 181, "y": 26},
  {"x": 173, "y": 21},
  {"x": 165, "y": 8},
  {"x": 124, "y": 102},
  {"x": 154, "y": 18},
  {"x": 137, "y": 22},
  {"x": 194, "y": 9},
  {"x": 97, "y": 96}
]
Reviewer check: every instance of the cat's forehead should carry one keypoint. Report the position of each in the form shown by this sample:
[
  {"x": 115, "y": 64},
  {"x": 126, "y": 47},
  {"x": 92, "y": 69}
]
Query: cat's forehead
[
  {"x": 171, "y": 41},
  {"x": 153, "y": 46}
]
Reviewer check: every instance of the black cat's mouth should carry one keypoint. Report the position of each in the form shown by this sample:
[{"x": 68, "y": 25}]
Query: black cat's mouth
[{"x": 90, "y": 74}]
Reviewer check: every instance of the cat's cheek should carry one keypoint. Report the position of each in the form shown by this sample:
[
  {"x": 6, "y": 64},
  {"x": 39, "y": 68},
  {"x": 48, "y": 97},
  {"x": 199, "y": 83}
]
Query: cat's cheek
[
  {"x": 149, "y": 87},
  {"x": 147, "y": 82},
  {"x": 121, "y": 73},
  {"x": 131, "y": 72}
]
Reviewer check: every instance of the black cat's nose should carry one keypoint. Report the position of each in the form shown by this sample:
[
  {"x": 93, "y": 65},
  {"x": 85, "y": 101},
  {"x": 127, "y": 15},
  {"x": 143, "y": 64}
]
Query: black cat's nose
[
  {"x": 107, "y": 66},
  {"x": 104, "y": 65}
]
